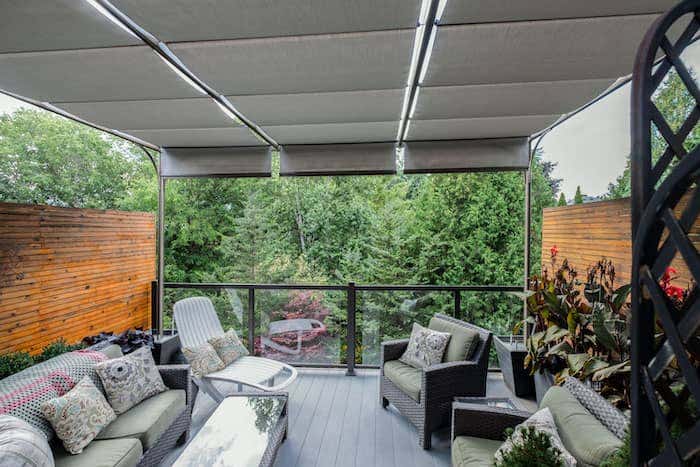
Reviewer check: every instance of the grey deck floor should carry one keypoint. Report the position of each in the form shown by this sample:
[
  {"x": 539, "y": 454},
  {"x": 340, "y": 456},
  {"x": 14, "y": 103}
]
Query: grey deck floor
[{"x": 336, "y": 420}]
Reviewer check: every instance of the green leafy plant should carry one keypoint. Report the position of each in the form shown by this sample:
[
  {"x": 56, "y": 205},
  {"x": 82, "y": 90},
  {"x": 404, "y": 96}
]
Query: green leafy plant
[
  {"x": 621, "y": 457},
  {"x": 535, "y": 450},
  {"x": 14, "y": 362},
  {"x": 56, "y": 348}
]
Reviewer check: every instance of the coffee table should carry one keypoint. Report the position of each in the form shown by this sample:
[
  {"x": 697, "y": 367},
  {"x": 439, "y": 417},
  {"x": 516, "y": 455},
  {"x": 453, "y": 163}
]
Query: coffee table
[{"x": 245, "y": 430}]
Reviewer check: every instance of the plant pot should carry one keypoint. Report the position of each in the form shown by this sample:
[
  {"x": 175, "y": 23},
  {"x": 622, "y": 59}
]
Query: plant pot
[
  {"x": 511, "y": 358},
  {"x": 543, "y": 381},
  {"x": 165, "y": 350}
]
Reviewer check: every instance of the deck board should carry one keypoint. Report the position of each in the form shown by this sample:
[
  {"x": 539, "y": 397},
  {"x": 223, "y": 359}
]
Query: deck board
[{"x": 336, "y": 420}]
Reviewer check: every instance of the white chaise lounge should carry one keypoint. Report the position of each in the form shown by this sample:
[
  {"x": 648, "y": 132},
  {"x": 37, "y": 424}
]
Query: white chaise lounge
[{"x": 196, "y": 321}]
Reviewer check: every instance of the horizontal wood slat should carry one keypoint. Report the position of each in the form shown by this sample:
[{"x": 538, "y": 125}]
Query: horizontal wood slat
[
  {"x": 585, "y": 233},
  {"x": 72, "y": 272}
]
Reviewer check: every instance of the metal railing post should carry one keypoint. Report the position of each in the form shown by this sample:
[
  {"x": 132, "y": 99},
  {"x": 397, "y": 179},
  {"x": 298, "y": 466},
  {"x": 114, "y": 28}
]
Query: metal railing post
[
  {"x": 350, "y": 354},
  {"x": 251, "y": 320},
  {"x": 155, "y": 315},
  {"x": 458, "y": 304}
]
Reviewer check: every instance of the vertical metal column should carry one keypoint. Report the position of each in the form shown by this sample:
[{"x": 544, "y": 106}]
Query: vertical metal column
[
  {"x": 458, "y": 304},
  {"x": 351, "y": 310},
  {"x": 251, "y": 320},
  {"x": 161, "y": 252},
  {"x": 528, "y": 233}
]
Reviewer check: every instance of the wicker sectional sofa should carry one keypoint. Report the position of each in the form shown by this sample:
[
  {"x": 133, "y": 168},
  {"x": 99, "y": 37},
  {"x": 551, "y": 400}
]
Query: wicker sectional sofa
[
  {"x": 425, "y": 396},
  {"x": 141, "y": 436},
  {"x": 590, "y": 428}
]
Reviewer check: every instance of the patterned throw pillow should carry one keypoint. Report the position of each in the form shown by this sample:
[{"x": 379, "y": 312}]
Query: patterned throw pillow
[
  {"x": 22, "y": 445},
  {"x": 78, "y": 416},
  {"x": 130, "y": 379},
  {"x": 203, "y": 359},
  {"x": 425, "y": 347},
  {"x": 543, "y": 422},
  {"x": 228, "y": 347}
]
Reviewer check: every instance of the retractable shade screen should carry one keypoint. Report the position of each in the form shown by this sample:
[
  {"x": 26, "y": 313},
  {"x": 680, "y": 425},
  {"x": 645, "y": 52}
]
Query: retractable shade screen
[{"x": 324, "y": 72}]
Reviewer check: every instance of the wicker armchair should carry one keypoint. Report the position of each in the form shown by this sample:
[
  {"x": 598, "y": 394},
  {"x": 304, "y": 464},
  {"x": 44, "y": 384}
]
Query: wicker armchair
[{"x": 439, "y": 385}]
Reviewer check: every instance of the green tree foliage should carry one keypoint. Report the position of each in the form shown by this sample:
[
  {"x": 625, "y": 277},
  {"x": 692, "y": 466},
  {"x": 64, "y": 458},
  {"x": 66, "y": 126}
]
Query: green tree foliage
[
  {"x": 562, "y": 200},
  {"x": 578, "y": 197},
  {"x": 534, "y": 450}
]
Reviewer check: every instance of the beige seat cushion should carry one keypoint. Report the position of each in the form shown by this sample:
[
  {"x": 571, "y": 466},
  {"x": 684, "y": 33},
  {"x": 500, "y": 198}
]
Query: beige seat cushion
[
  {"x": 148, "y": 420},
  {"x": 583, "y": 435},
  {"x": 124, "y": 452},
  {"x": 474, "y": 452},
  {"x": 406, "y": 377},
  {"x": 463, "y": 340}
]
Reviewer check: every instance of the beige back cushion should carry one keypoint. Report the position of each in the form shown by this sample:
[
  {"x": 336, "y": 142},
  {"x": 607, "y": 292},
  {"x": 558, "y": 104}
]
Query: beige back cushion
[{"x": 462, "y": 343}]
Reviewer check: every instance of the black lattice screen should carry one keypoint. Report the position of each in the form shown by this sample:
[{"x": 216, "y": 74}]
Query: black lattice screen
[{"x": 665, "y": 205}]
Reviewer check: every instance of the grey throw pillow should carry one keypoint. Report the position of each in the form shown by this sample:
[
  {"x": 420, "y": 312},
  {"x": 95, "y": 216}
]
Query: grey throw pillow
[
  {"x": 203, "y": 359},
  {"x": 229, "y": 347},
  {"x": 22, "y": 445},
  {"x": 130, "y": 379},
  {"x": 78, "y": 416},
  {"x": 425, "y": 347}
]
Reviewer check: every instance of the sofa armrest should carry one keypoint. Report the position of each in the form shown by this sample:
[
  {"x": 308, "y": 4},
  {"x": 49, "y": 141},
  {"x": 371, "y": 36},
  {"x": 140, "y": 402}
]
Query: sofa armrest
[
  {"x": 481, "y": 421},
  {"x": 392, "y": 350},
  {"x": 465, "y": 378},
  {"x": 179, "y": 377}
]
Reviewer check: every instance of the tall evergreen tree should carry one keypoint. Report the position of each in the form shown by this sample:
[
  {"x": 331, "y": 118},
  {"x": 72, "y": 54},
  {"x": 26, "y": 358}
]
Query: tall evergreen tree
[
  {"x": 578, "y": 197},
  {"x": 562, "y": 200}
]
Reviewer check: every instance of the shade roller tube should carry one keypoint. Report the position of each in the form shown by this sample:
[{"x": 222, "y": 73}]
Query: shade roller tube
[
  {"x": 255, "y": 161},
  {"x": 466, "y": 155},
  {"x": 338, "y": 159}
]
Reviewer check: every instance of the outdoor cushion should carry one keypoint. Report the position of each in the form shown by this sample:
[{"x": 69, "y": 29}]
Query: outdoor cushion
[
  {"x": 112, "y": 351},
  {"x": 583, "y": 435},
  {"x": 229, "y": 347},
  {"x": 463, "y": 342},
  {"x": 78, "y": 416},
  {"x": 148, "y": 420},
  {"x": 124, "y": 452},
  {"x": 425, "y": 347},
  {"x": 473, "y": 452},
  {"x": 406, "y": 377},
  {"x": 22, "y": 445},
  {"x": 203, "y": 359},
  {"x": 130, "y": 379}
]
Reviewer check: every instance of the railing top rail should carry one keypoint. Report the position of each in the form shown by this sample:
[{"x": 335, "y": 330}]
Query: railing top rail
[{"x": 375, "y": 288}]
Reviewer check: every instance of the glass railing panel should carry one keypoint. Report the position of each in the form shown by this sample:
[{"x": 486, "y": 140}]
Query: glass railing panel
[{"x": 301, "y": 326}]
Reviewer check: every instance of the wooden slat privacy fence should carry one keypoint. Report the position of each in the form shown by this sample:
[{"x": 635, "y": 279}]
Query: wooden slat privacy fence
[
  {"x": 585, "y": 233},
  {"x": 71, "y": 273}
]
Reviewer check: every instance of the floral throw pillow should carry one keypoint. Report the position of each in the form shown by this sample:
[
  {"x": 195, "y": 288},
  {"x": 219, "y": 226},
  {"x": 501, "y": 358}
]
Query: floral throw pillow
[
  {"x": 228, "y": 347},
  {"x": 79, "y": 415},
  {"x": 130, "y": 379},
  {"x": 425, "y": 347},
  {"x": 542, "y": 421},
  {"x": 203, "y": 359}
]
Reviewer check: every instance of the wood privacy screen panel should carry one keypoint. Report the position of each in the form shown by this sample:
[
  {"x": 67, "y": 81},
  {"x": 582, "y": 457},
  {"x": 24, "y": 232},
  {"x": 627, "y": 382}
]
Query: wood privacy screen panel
[
  {"x": 72, "y": 272},
  {"x": 585, "y": 233}
]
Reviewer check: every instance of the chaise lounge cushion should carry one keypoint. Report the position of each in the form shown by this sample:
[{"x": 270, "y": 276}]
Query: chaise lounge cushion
[
  {"x": 583, "y": 435},
  {"x": 148, "y": 420},
  {"x": 463, "y": 341},
  {"x": 406, "y": 377},
  {"x": 124, "y": 452},
  {"x": 474, "y": 452}
]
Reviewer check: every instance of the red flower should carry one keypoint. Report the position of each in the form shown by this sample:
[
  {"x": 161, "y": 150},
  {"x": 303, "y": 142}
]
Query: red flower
[{"x": 553, "y": 251}]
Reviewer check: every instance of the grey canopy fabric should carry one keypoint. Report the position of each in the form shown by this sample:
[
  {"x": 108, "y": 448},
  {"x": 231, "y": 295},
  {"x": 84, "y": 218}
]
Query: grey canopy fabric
[{"x": 320, "y": 71}]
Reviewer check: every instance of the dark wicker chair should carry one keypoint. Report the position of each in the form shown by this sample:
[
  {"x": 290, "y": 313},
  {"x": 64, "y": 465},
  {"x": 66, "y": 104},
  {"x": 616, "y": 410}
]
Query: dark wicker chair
[{"x": 440, "y": 384}]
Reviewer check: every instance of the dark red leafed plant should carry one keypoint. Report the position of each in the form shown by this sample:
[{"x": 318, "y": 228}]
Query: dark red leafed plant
[{"x": 675, "y": 293}]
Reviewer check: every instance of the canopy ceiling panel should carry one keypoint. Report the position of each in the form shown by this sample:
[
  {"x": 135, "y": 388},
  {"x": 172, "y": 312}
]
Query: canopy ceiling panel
[
  {"x": 337, "y": 62},
  {"x": 187, "y": 20},
  {"x": 591, "y": 48},
  {"x": 199, "y": 137},
  {"x": 466, "y": 155},
  {"x": 335, "y": 133},
  {"x": 118, "y": 73},
  {"x": 216, "y": 162},
  {"x": 27, "y": 25},
  {"x": 498, "y": 11},
  {"x": 475, "y": 128},
  {"x": 158, "y": 114},
  {"x": 338, "y": 159},
  {"x": 495, "y": 100}
]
